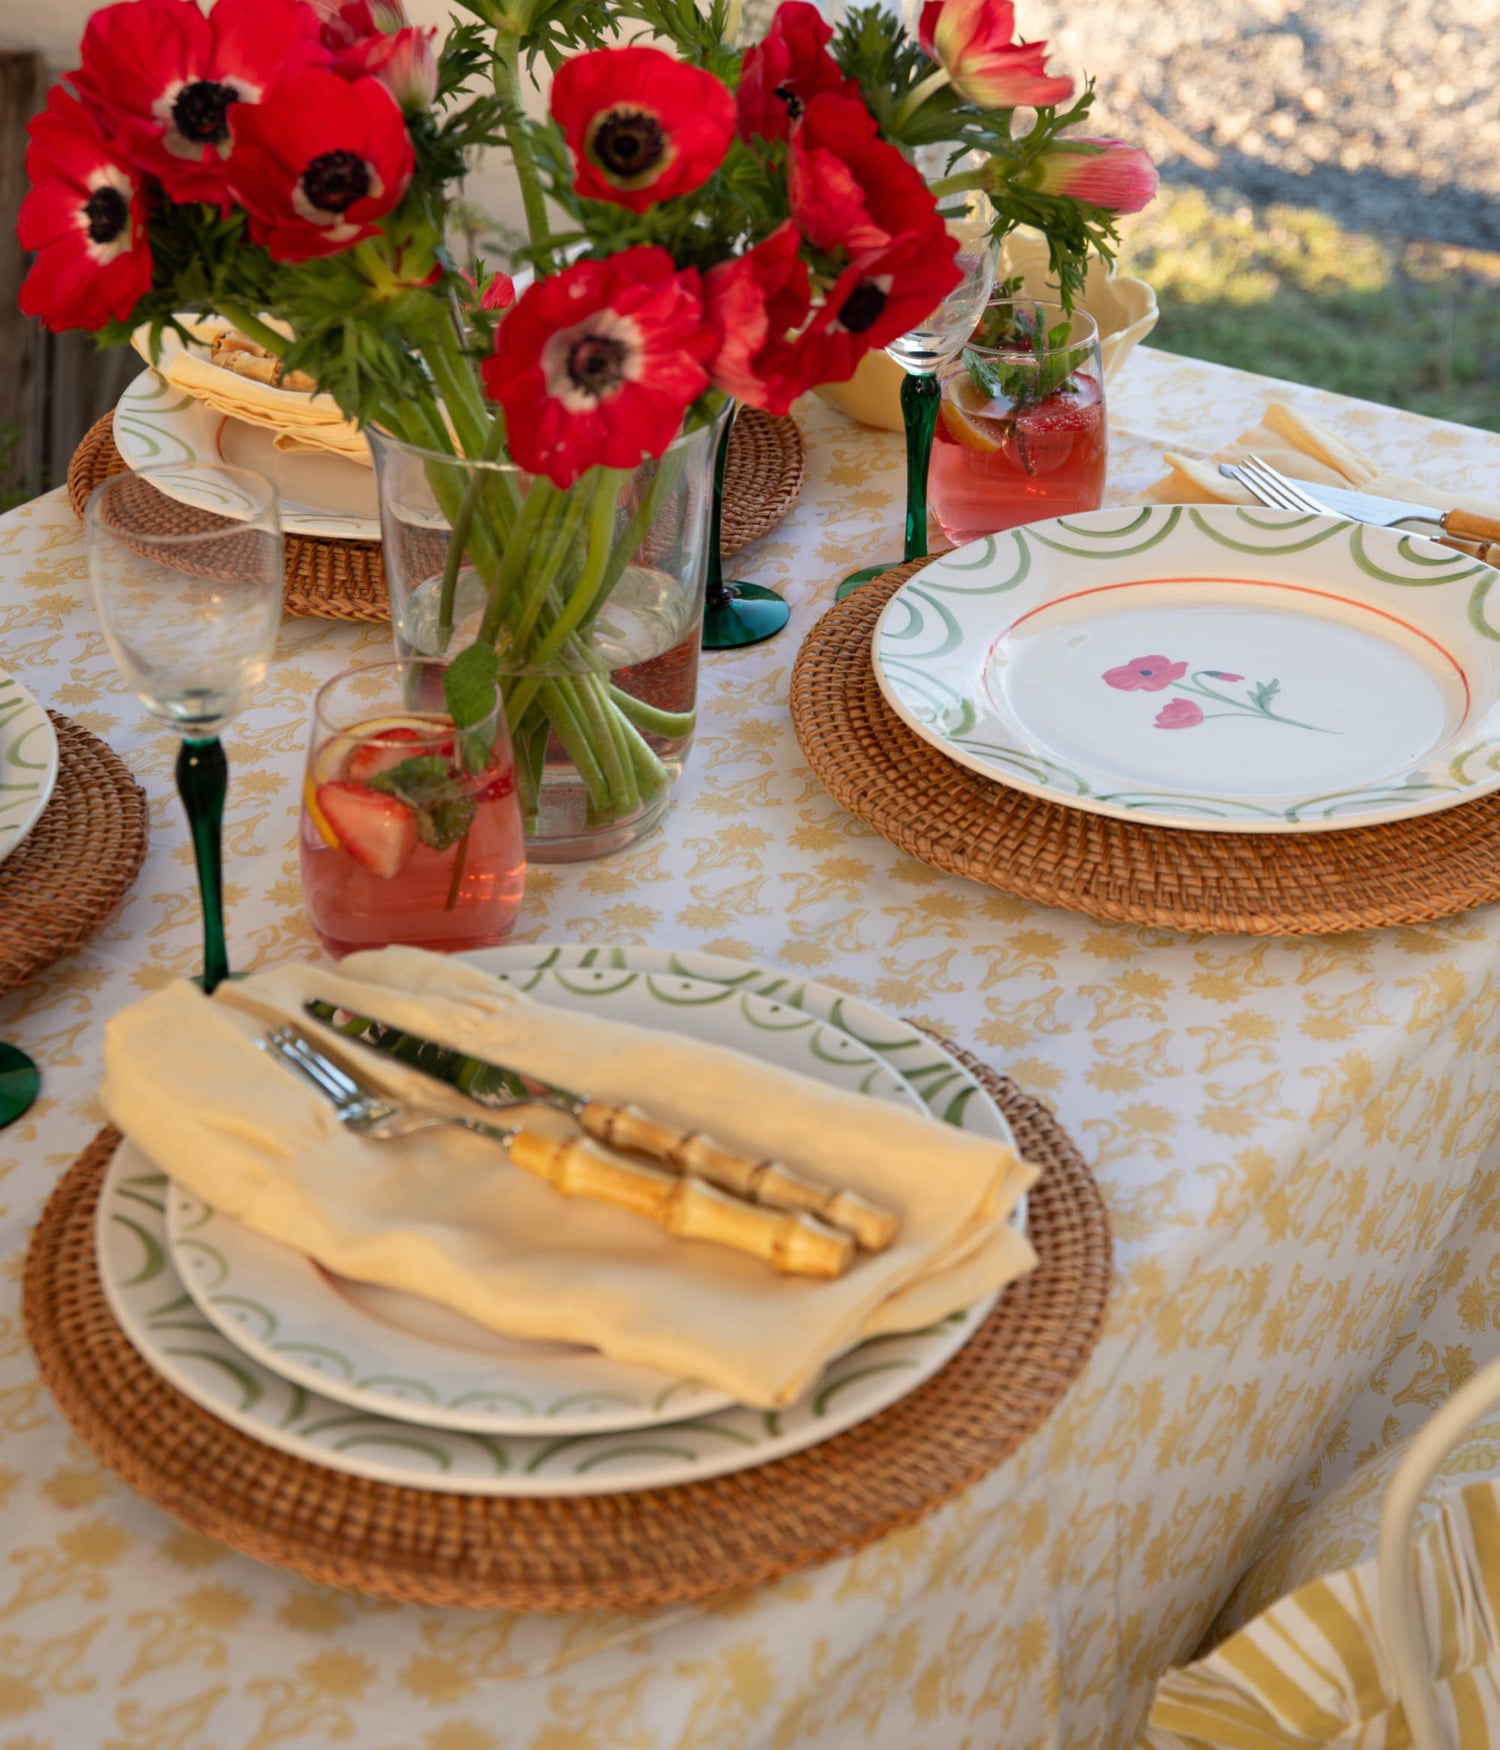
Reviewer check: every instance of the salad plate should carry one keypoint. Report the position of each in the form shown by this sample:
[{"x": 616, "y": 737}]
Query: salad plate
[
  {"x": 28, "y": 762},
  {"x": 1210, "y": 666},
  {"x": 148, "y": 1298}
]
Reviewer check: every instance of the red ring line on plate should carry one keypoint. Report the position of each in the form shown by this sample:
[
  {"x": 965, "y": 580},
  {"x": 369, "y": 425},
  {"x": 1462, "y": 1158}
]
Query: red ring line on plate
[{"x": 1245, "y": 583}]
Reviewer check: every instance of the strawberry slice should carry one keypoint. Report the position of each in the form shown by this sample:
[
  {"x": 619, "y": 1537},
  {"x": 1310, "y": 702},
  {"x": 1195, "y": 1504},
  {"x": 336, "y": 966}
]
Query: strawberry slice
[
  {"x": 371, "y": 757},
  {"x": 379, "y": 832}
]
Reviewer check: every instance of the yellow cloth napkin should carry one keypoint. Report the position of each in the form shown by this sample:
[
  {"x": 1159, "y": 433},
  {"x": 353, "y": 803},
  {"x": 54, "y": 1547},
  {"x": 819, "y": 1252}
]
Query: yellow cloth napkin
[
  {"x": 299, "y": 420},
  {"x": 445, "y": 1216},
  {"x": 1306, "y": 450}
]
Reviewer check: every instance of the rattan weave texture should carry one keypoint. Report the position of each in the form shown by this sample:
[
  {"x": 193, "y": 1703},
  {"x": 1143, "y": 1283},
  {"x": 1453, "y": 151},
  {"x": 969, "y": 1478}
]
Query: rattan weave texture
[
  {"x": 613, "y": 1552},
  {"x": 345, "y": 580},
  {"x": 71, "y": 870},
  {"x": 871, "y": 763}
]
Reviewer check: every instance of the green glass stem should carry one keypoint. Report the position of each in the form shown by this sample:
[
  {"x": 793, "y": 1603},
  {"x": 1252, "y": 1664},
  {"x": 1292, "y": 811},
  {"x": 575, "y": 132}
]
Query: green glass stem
[
  {"x": 715, "y": 593},
  {"x": 19, "y": 1083},
  {"x": 919, "y": 410},
  {"x": 202, "y": 779},
  {"x": 735, "y": 613}
]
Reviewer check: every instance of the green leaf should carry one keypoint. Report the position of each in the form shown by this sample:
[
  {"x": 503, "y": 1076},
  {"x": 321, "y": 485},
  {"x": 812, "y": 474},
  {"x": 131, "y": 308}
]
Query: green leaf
[
  {"x": 420, "y": 782},
  {"x": 470, "y": 686},
  {"x": 445, "y": 823}
]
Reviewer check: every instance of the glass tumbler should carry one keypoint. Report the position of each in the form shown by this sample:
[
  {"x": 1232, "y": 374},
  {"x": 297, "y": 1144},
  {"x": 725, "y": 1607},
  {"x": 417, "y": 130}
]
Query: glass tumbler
[
  {"x": 1021, "y": 431},
  {"x": 411, "y": 829}
]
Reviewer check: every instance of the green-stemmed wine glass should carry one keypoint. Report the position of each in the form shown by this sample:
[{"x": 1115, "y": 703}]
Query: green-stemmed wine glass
[
  {"x": 20, "y": 1082},
  {"x": 735, "y": 613},
  {"x": 186, "y": 563},
  {"x": 923, "y": 351}
]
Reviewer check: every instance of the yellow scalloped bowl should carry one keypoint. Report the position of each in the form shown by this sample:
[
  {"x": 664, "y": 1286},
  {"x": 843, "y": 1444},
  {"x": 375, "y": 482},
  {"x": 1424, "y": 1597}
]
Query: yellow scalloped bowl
[{"x": 1124, "y": 307}]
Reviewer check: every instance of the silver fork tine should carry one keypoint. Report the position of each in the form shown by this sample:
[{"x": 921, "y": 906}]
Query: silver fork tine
[
  {"x": 280, "y": 1048},
  {"x": 334, "y": 1073},
  {"x": 1267, "y": 491},
  {"x": 1295, "y": 497}
]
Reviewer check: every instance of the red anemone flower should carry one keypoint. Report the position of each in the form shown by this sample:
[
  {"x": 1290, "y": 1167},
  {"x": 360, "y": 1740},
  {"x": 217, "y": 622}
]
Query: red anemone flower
[
  {"x": 600, "y": 362},
  {"x": 974, "y": 43},
  {"x": 318, "y": 163},
  {"x": 879, "y": 296},
  {"x": 757, "y": 301},
  {"x": 784, "y": 72},
  {"x": 163, "y": 79},
  {"x": 641, "y": 126},
  {"x": 849, "y": 189},
  {"x": 84, "y": 217}
]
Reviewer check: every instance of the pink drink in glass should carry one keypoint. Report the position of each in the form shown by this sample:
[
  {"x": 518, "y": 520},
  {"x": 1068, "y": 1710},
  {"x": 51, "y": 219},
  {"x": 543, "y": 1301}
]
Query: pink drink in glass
[
  {"x": 400, "y": 840},
  {"x": 1002, "y": 458}
]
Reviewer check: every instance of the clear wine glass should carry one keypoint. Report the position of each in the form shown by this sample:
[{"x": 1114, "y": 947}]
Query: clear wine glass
[
  {"x": 924, "y": 350},
  {"x": 186, "y": 563}
]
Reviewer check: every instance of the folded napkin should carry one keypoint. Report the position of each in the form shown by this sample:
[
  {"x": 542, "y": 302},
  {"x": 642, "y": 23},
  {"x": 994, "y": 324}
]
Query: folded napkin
[
  {"x": 299, "y": 420},
  {"x": 1305, "y": 450},
  {"x": 444, "y": 1215}
]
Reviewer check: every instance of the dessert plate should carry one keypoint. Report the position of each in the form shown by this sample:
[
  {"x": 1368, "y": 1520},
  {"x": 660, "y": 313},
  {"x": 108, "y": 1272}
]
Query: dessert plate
[
  {"x": 320, "y": 495},
  {"x": 147, "y": 1296},
  {"x": 1211, "y": 667},
  {"x": 395, "y": 1354},
  {"x": 28, "y": 762}
]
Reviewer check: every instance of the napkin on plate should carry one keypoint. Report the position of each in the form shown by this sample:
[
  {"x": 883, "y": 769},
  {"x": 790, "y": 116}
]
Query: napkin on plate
[
  {"x": 443, "y": 1214},
  {"x": 299, "y": 420},
  {"x": 1305, "y": 450}
]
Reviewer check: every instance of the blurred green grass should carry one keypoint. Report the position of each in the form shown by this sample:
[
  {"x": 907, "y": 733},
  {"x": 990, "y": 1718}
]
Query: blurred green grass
[{"x": 1289, "y": 292}]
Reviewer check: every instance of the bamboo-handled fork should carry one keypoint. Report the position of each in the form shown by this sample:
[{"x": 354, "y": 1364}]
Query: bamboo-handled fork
[{"x": 793, "y": 1243}]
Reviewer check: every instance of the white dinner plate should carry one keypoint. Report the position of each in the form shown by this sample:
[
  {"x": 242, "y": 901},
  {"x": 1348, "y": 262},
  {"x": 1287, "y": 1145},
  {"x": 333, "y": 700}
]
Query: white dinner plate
[
  {"x": 1212, "y": 667},
  {"x": 147, "y": 1297},
  {"x": 28, "y": 762},
  {"x": 318, "y": 494},
  {"x": 395, "y": 1354}
]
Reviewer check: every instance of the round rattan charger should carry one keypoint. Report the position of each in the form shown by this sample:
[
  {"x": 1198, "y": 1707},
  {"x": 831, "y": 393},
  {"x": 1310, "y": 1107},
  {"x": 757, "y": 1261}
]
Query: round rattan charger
[
  {"x": 871, "y": 763},
  {"x": 345, "y": 580},
  {"x": 657, "y": 1546},
  {"x": 72, "y": 869}
]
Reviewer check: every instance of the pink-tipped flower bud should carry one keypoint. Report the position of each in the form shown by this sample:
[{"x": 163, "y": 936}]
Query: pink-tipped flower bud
[{"x": 1105, "y": 173}]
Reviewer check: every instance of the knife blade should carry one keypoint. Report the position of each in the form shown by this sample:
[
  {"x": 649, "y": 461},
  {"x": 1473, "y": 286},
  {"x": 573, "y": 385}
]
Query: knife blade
[
  {"x": 690, "y": 1153},
  {"x": 1368, "y": 507}
]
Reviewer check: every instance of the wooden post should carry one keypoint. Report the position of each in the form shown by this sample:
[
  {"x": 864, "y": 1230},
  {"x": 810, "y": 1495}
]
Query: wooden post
[{"x": 21, "y": 428}]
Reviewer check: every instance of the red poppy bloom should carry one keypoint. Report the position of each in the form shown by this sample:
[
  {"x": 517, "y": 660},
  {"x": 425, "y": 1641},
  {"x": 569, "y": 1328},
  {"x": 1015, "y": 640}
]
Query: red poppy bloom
[
  {"x": 318, "y": 162},
  {"x": 974, "y": 43},
  {"x": 600, "y": 362},
  {"x": 641, "y": 126},
  {"x": 757, "y": 301},
  {"x": 163, "y": 78},
  {"x": 85, "y": 219},
  {"x": 879, "y": 296},
  {"x": 1145, "y": 674},
  {"x": 849, "y": 189},
  {"x": 783, "y": 73},
  {"x": 404, "y": 61}
]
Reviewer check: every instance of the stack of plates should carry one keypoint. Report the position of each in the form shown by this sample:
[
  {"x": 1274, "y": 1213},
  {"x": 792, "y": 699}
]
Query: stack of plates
[
  {"x": 1215, "y": 668},
  {"x": 379, "y": 1384},
  {"x": 28, "y": 762}
]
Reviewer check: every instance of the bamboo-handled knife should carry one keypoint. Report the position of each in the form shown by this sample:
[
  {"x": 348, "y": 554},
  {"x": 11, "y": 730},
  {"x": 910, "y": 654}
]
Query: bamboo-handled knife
[{"x": 691, "y": 1153}]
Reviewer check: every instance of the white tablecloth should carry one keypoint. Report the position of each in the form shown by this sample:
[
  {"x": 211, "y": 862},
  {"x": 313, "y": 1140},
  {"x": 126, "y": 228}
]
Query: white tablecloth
[{"x": 1290, "y": 1135}]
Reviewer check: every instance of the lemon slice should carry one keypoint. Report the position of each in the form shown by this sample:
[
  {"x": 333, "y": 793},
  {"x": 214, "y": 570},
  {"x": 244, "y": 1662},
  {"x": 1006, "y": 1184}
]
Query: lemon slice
[
  {"x": 316, "y": 814},
  {"x": 966, "y": 415}
]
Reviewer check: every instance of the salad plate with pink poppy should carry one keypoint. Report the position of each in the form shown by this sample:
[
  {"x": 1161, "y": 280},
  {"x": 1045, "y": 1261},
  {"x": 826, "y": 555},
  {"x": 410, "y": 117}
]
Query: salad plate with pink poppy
[{"x": 1210, "y": 666}]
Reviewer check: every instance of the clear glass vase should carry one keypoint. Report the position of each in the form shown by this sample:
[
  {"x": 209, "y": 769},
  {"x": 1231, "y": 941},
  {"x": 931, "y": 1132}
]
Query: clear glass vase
[{"x": 593, "y": 597}]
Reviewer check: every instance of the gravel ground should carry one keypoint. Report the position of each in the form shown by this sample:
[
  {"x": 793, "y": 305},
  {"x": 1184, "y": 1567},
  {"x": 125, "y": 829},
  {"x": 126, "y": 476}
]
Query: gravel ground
[{"x": 1385, "y": 115}]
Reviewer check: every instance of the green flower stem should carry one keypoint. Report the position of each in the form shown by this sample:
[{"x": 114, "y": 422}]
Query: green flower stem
[
  {"x": 254, "y": 329},
  {"x": 920, "y": 396},
  {"x": 595, "y": 689},
  {"x": 462, "y": 524},
  {"x": 1240, "y": 708},
  {"x": 919, "y": 93},
  {"x": 601, "y": 524},
  {"x": 518, "y": 550},
  {"x": 554, "y": 554},
  {"x": 652, "y": 773},
  {"x": 454, "y": 377},
  {"x": 507, "y": 75},
  {"x": 667, "y": 724},
  {"x": 557, "y": 700}
]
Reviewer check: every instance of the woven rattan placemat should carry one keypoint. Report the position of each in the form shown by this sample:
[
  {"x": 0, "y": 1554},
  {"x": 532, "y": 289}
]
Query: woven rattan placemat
[
  {"x": 71, "y": 870},
  {"x": 1300, "y": 884},
  {"x": 345, "y": 580},
  {"x": 614, "y": 1552}
]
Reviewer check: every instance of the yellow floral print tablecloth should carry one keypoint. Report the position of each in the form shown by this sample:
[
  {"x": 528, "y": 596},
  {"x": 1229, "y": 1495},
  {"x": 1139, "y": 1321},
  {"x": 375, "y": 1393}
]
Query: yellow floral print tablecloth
[{"x": 1291, "y": 1136}]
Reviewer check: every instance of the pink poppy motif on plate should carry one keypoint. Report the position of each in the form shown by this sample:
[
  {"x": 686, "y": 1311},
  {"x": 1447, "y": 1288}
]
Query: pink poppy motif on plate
[{"x": 1153, "y": 674}]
